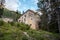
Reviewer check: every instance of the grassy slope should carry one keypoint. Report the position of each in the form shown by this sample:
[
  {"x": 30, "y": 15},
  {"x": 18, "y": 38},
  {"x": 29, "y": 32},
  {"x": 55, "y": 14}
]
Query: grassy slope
[{"x": 14, "y": 31}]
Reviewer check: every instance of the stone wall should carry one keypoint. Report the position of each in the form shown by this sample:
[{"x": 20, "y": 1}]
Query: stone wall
[{"x": 30, "y": 18}]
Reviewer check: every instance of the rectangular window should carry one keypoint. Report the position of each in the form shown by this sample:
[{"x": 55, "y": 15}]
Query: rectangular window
[{"x": 25, "y": 15}]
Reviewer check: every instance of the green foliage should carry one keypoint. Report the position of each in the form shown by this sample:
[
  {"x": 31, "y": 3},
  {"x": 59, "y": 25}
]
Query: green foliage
[
  {"x": 12, "y": 23},
  {"x": 11, "y": 14},
  {"x": 13, "y": 36},
  {"x": 1, "y": 12},
  {"x": 1, "y": 23},
  {"x": 15, "y": 31},
  {"x": 42, "y": 35},
  {"x": 44, "y": 17},
  {"x": 23, "y": 26},
  {"x": 48, "y": 19}
]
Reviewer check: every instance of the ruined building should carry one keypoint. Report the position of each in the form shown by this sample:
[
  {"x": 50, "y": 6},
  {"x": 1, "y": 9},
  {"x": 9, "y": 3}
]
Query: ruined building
[{"x": 31, "y": 18}]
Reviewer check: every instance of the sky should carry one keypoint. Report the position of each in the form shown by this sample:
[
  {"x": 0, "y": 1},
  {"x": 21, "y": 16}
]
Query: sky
[{"x": 21, "y": 5}]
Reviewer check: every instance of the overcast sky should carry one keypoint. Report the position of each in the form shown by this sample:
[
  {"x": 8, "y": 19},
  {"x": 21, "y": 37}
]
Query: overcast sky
[{"x": 21, "y": 5}]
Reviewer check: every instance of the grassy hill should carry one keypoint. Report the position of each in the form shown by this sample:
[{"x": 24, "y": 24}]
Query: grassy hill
[
  {"x": 21, "y": 31},
  {"x": 11, "y": 14}
]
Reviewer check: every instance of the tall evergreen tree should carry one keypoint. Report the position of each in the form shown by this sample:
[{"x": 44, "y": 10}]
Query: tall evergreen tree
[
  {"x": 50, "y": 8},
  {"x": 44, "y": 16},
  {"x": 1, "y": 7}
]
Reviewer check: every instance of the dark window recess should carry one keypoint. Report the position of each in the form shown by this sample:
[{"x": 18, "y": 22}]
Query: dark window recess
[
  {"x": 31, "y": 18},
  {"x": 19, "y": 20},
  {"x": 25, "y": 15}
]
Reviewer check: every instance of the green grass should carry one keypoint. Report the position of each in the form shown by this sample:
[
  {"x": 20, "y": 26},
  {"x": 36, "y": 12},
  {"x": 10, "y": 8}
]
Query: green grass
[{"x": 14, "y": 31}]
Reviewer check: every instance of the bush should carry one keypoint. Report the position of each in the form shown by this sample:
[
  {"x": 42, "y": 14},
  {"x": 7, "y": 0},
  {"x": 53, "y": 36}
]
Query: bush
[
  {"x": 23, "y": 26},
  {"x": 42, "y": 35},
  {"x": 12, "y": 23},
  {"x": 12, "y": 35},
  {"x": 14, "y": 31},
  {"x": 1, "y": 23}
]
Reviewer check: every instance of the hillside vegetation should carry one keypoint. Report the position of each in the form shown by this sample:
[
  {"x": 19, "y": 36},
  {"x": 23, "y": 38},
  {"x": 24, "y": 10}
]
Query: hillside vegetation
[
  {"x": 21, "y": 31},
  {"x": 11, "y": 14}
]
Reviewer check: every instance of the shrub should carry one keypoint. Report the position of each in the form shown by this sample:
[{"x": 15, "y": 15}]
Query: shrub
[
  {"x": 12, "y": 23},
  {"x": 42, "y": 35},
  {"x": 23, "y": 26},
  {"x": 1, "y": 23}
]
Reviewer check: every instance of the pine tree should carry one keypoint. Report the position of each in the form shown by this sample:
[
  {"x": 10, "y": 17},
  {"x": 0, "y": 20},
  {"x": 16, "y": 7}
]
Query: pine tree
[
  {"x": 1, "y": 7},
  {"x": 44, "y": 16},
  {"x": 51, "y": 7}
]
